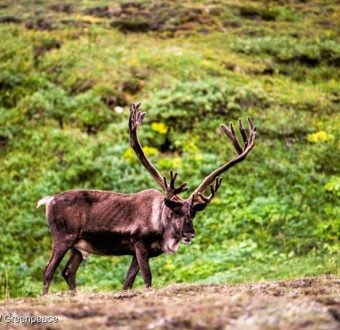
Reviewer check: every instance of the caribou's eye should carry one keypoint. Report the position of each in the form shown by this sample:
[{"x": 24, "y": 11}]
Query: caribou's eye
[{"x": 177, "y": 215}]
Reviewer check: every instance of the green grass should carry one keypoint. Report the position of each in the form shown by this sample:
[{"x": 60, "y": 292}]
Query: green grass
[{"x": 65, "y": 76}]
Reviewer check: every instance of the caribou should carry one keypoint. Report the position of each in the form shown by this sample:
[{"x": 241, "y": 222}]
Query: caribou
[{"x": 143, "y": 224}]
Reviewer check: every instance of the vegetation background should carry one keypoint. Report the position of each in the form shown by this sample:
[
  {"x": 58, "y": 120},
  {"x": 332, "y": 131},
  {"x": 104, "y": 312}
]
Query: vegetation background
[{"x": 69, "y": 69}]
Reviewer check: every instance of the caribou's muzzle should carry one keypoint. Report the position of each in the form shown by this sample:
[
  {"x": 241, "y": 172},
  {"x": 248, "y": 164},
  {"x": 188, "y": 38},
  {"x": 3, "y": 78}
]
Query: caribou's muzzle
[{"x": 187, "y": 237}]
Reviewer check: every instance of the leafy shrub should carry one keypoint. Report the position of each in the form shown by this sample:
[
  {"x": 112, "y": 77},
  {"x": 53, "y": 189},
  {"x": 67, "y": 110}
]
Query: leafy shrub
[
  {"x": 90, "y": 112},
  {"x": 184, "y": 104},
  {"x": 9, "y": 82},
  {"x": 51, "y": 102},
  {"x": 333, "y": 185},
  {"x": 287, "y": 50},
  {"x": 257, "y": 13}
]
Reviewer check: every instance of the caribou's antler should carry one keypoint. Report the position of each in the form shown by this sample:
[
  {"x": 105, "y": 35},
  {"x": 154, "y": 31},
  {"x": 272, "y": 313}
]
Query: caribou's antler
[
  {"x": 242, "y": 152},
  {"x": 135, "y": 120},
  {"x": 170, "y": 188},
  {"x": 213, "y": 190}
]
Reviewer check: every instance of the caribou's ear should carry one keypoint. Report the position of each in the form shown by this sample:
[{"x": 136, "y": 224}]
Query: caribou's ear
[
  {"x": 198, "y": 207},
  {"x": 173, "y": 205}
]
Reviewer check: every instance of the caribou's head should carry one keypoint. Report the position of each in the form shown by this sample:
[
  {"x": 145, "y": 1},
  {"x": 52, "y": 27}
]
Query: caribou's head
[
  {"x": 179, "y": 212},
  {"x": 177, "y": 220}
]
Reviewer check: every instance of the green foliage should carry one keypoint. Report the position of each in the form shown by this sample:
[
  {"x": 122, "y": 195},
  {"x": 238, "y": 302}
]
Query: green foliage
[
  {"x": 183, "y": 104},
  {"x": 333, "y": 185},
  {"x": 267, "y": 13},
  {"x": 90, "y": 111},
  {"x": 289, "y": 50},
  {"x": 65, "y": 83},
  {"x": 50, "y": 102}
]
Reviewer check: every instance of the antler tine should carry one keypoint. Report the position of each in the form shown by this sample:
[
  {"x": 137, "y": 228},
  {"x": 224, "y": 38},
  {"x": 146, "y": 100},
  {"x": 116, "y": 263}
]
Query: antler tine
[
  {"x": 213, "y": 190},
  {"x": 170, "y": 188},
  {"x": 136, "y": 116},
  {"x": 183, "y": 187},
  {"x": 230, "y": 132},
  {"x": 251, "y": 123},
  {"x": 242, "y": 152},
  {"x": 165, "y": 183},
  {"x": 243, "y": 132},
  {"x": 172, "y": 178},
  {"x": 252, "y": 136}
]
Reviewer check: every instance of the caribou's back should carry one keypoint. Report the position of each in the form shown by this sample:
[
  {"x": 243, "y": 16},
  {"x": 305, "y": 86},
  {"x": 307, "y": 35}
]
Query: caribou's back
[{"x": 92, "y": 211}]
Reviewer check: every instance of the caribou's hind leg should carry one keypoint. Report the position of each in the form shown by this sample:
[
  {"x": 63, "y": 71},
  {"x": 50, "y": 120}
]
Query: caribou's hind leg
[
  {"x": 70, "y": 270},
  {"x": 58, "y": 252},
  {"x": 131, "y": 274}
]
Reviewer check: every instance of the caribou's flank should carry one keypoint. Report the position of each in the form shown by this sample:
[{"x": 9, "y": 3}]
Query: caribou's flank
[{"x": 143, "y": 225}]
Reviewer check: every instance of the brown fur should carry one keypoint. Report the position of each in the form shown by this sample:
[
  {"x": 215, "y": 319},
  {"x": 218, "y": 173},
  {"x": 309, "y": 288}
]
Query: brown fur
[{"x": 108, "y": 223}]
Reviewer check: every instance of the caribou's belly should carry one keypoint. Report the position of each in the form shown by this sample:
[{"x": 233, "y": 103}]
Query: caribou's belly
[{"x": 105, "y": 245}]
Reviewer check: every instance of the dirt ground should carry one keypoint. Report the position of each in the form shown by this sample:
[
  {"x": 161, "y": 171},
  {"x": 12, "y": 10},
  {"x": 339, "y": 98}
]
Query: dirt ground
[{"x": 309, "y": 303}]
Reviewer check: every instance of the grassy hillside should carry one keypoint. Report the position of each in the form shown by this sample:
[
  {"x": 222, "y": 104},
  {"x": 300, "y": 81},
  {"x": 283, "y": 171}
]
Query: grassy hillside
[{"x": 67, "y": 74}]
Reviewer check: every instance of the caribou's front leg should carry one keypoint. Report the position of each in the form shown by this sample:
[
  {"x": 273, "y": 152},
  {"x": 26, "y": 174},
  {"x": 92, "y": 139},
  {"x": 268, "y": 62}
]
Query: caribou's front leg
[
  {"x": 142, "y": 256},
  {"x": 131, "y": 274}
]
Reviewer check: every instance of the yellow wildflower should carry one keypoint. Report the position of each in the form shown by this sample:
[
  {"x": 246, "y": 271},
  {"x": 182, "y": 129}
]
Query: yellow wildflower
[
  {"x": 150, "y": 151},
  {"x": 129, "y": 154},
  {"x": 160, "y": 128},
  {"x": 320, "y": 136}
]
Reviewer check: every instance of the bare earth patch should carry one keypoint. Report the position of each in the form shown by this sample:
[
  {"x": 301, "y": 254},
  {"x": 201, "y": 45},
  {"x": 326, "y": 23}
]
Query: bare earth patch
[{"x": 309, "y": 303}]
